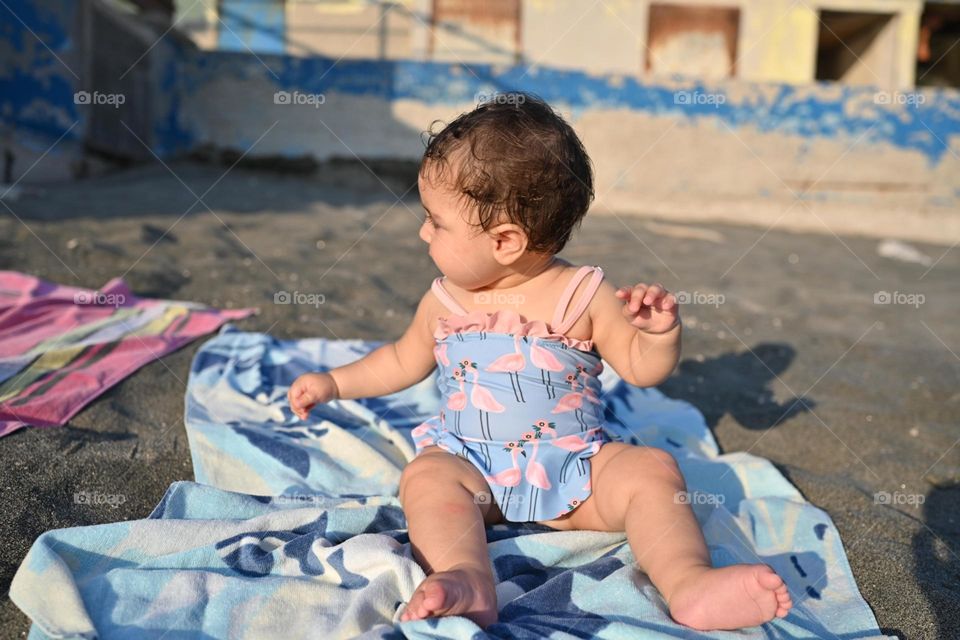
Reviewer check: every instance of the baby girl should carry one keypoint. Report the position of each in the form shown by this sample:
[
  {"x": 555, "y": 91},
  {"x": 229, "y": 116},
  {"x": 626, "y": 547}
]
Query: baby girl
[{"x": 518, "y": 334}]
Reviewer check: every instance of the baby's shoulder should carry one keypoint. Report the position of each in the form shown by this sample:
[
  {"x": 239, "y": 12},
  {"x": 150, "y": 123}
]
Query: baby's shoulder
[{"x": 430, "y": 309}]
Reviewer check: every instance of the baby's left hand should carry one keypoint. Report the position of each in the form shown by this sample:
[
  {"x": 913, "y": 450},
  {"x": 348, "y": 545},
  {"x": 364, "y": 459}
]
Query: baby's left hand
[{"x": 651, "y": 308}]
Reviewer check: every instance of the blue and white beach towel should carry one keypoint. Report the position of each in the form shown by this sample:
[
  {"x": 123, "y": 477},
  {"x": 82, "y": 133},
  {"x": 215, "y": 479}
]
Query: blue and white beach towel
[{"x": 293, "y": 529}]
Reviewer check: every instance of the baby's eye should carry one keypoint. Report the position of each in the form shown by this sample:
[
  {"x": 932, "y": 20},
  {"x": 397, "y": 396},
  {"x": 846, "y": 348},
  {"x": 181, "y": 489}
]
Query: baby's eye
[{"x": 428, "y": 218}]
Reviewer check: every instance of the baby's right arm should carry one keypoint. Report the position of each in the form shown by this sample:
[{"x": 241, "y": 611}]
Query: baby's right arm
[{"x": 389, "y": 368}]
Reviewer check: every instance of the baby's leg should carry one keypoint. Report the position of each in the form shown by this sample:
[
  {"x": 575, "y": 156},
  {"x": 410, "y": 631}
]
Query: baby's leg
[
  {"x": 636, "y": 489},
  {"x": 448, "y": 537}
]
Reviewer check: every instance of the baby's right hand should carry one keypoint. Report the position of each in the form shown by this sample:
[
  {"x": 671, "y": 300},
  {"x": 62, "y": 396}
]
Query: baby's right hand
[{"x": 310, "y": 389}]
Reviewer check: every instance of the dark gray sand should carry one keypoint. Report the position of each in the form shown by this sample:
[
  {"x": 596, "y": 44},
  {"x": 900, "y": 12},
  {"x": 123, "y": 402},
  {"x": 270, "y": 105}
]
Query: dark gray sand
[{"x": 879, "y": 383}]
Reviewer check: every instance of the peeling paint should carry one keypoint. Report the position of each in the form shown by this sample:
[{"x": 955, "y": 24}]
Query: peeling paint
[
  {"x": 36, "y": 94},
  {"x": 814, "y": 111},
  {"x": 36, "y": 88}
]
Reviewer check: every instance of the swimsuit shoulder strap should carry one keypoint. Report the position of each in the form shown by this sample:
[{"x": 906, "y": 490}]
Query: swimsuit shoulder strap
[
  {"x": 561, "y": 325},
  {"x": 446, "y": 298}
]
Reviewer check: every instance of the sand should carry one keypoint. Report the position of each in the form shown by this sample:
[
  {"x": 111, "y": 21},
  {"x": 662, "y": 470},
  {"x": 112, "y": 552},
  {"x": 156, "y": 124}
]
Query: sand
[{"x": 797, "y": 318}]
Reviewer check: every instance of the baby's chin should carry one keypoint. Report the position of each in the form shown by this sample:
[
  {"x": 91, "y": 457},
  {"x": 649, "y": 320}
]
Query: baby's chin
[
  {"x": 467, "y": 283},
  {"x": 481, "y": 275},
  {"x": 470, "y": 285}
]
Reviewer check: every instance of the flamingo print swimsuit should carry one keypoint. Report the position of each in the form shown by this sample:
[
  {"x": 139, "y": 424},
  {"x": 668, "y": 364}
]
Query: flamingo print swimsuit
[{"x": 521, "y": 402}]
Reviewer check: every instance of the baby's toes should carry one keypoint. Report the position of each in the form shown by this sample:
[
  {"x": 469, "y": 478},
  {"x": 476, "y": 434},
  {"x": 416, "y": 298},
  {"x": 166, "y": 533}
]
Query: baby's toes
[
  {"x": 768, "y": 578},
  {"x": 412, "y": 612},
  {"x": 426, "y": 601},
  {"x": 784, "y": 603},
  {"x": 433, "y": 596}
]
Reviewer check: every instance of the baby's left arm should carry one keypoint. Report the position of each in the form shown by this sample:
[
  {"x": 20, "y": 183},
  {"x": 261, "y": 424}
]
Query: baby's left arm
[{"x": 637, "y": 330}]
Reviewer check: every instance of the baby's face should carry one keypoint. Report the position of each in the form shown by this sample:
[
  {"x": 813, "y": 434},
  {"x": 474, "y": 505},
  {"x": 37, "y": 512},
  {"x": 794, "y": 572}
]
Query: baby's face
[{"x": 462, "y": 251}]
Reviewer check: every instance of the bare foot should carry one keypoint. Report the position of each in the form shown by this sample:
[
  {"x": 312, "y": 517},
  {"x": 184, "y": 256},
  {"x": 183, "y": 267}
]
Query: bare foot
[
  {"x": 734, "y": 597},
  {"x": 459, "y": 591}
]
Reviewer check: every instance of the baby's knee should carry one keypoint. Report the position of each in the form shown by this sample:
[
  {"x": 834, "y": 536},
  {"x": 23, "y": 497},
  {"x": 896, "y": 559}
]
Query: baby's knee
[
  {"x": 429, "y": 474},
  {"x": 661, "y": 461},
  {"x": 643, "y": 467},
  {"x": 438, "y": 496}
]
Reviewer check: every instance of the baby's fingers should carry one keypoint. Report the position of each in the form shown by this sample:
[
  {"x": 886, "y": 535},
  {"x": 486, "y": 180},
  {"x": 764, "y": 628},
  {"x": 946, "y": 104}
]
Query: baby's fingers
[
  {"x": 300, "y": 410},
  {"x": 293, "y": 395},
  {"x": 653, "y": 293},
  {"x": 636, "y": 298},
  {"x": 300, "y": 400},
  {"x": 668, "y": 302},
  {"x": 292, "y": 399}
]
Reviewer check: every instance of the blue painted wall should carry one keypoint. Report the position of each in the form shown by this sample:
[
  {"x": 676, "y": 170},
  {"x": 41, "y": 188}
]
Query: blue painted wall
[
  {"x": 38, "y": 72},
  {"x": 816, "y": 111},
  {"x": 36, "y": 89},
  {"x": 41, "y": 70}
]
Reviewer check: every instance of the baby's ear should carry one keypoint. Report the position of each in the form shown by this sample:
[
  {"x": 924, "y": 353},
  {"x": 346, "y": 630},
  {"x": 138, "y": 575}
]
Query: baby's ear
[{"x": 509, "y": 243}]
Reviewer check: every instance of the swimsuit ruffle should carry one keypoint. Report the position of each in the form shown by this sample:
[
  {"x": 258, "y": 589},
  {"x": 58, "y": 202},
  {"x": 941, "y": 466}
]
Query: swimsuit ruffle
[
  {"x": 504, "y": 321},
  {"x": 573, "y": 492}
]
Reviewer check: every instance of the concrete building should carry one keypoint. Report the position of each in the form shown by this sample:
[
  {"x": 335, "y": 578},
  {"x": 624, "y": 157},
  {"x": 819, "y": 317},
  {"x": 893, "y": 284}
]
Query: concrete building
[
  {"x": 857, "y": 42},
  {"x": 796, "y": 113}
]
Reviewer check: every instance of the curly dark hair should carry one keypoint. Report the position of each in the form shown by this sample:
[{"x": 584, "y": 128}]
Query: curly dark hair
[{"x": 518, "y": 161}]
